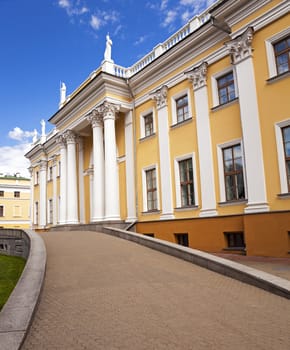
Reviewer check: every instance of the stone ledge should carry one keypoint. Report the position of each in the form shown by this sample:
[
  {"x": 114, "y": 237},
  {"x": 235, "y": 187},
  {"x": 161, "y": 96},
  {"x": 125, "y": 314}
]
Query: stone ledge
[
  {"x": 257, "y": 278},
  {"x": 16, "y": 315}
]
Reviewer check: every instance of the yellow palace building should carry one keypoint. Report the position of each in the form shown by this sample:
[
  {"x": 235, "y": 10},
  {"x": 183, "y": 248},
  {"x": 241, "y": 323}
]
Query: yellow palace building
[
  {"x": 191, "y": 144},
  {"x": 14, "y": 201}
]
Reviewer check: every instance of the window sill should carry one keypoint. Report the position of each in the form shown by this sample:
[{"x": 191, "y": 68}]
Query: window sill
[
  {"x": 235, "y": 249},
  {"x": 151, "y": 212},
  {"x": 278, "y": 77},
  {"x": 229, "y": 203},
  {"x": 229, "y": 103},
  {"x": 188, "y": 208},
  {"x": 184, "y": 122},
  {"x": 142, "y": 139},
  {"x": 283, "y": 195}
]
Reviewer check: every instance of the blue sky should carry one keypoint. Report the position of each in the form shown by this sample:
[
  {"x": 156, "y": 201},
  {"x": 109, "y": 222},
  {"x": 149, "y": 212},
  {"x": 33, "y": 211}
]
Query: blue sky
[{"x": 44, "y": 42}]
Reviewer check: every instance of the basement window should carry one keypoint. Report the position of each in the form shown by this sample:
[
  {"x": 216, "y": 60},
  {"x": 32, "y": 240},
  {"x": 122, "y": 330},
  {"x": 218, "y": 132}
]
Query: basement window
[
  {"x": 235, "y": 240},
  {"x": 181, "y": 239}
]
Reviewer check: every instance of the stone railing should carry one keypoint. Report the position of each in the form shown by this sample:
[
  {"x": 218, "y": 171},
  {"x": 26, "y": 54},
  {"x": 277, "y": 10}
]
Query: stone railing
[{"x": 187, "y": 29}]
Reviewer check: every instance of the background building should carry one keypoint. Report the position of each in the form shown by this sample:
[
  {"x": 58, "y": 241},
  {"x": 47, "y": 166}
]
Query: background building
[
  {"x": 192, "y": 143},
  {"x": 14, "y": 201}
]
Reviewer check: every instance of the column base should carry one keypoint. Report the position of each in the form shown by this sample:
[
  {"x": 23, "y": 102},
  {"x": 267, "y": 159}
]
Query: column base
[
  {"x": 112, "y": 218},
  {"x": 131, "y": 219},
  {"x": 256, "y": 208},
  {"x": 72, "y": 222},
  {"x": 208, "y": 212},
  {"x": 167, "y": 216},
  {"x": 98, "y": 219}
]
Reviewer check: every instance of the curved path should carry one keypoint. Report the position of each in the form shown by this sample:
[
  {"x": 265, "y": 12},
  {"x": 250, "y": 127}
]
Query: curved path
[{"x": 103, "y": 292}]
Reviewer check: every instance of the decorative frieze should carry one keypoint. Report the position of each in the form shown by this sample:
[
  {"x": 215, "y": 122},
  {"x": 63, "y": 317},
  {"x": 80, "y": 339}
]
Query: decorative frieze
[
  {"x": 198, "y": 76},
  {"x": 241, "y": 47},
  {"x": 160, "y": 96}
]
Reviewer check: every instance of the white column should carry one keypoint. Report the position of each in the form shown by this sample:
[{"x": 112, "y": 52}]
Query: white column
[
  {"x": 63, "y": 180},
  {"x": 198, "y": 77},
  {"x": 31, "y": 196},
  {"x": 42, "y": 193},
  {"x": 54, "y": 190},
  {"x": 98, "y": 199},
  {"x": 130, "y": 168},
  {"x": 112, "y": 209},
  {"x": 160, "y": 96},
  {"x": 72, "y": 195},
  {"x": 81, "y": 181},
  {"x": 241, "y": 54}
]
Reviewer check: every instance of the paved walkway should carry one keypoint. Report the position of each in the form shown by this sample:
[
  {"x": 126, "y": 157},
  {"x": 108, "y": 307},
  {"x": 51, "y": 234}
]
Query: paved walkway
[{"x": 106, "y": 293}]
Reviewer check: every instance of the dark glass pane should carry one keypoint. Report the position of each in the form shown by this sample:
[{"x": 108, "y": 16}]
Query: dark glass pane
[
  {"x": 228, "y": 166},
  {"x": 240, "y": 186},
  {"x": 227, "y": 154},
  {"x": 287, "y": 149},
  {"x": 232, "y": 93},
  {"x": 286, "y": 134},
  {"x": 281, "y": 46},
  {"x": 229, "y": 188},
  {"x": 238, "y": 164},
  {"x": 282, "y": 63}
]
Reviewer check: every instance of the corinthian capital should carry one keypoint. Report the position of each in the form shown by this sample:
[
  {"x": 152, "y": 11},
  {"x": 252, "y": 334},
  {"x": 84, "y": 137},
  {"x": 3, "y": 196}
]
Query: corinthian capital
[
  {"x": 95, "y": 118},
  {"x": 241, "y": 47},
  {"x": 61, "y": 141},
  {"x": 108, "y": 110},
  {"x": 198, "y": 76},
  {"x": 69, "y": 136},
  {"x": 160, "y": 96}
]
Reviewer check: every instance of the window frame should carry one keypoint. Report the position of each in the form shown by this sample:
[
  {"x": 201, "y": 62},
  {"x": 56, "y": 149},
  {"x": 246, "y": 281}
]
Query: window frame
[
  {"x": 3, "y": 210},
  {"x": 222, "y": 185},
  {"x": 215, "y": 89},
  {"x": 177, "y": 160},
  {"x": 2, "y": 193},
  {"x": 174, "y": 99},
  {"x": 232, "y": 236},
  {"x": 284, "y": 187},
  {"x": 36, "y": 213},
  {"x": 144, "y": 188},
  {"x": 50, "y": 210},
  {"x": 271, "y": 59},
  {"x": 143, "y": 115},
  {"x": 16, "y": 194}
]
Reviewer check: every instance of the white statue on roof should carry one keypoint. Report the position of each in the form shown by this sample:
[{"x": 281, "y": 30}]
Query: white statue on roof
[{"x": 108, "y": 50}]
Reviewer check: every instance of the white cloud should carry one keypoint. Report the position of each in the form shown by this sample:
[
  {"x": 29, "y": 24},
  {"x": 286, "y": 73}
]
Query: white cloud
[
  {"x": 20, "y": 135},
  {"x": 64, "y": 3},
  {"x": 95, "y": 22},
  {"x": 141, "y": 40},
  {"x": 186, "y": 16},
  {"x": 12, "y": 159},
  {"x": 170, "y": 18},
  {"x": 163, "y": 5}
]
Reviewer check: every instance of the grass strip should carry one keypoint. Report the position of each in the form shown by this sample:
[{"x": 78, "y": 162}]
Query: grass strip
[{"x": 11, "y": 268}]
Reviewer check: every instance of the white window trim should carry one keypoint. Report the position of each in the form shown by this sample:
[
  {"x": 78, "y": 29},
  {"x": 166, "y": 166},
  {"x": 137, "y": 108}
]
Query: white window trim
[
  {"x": 36, "y": 178},
  {"x": 173, "y": 105},
  {"x": 2, "y": 205},
  {"x": 142, "y": 122},
  {"x": 281, "y": 154},
  {"x": 221, "y": 173},
  {"x": 269, "y": 43},
  {"x": 214, "y": 84},
  {"x": 144, "y": 186},
  {"x": 177, "y": 178}
]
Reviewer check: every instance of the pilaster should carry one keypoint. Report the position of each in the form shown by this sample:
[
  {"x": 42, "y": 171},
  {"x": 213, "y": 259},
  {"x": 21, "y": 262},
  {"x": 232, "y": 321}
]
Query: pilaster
[
  {"x": 198, "y": 77},
  {"x": 160, "y": 97},
  {"x": 241, "y": 50},
  {"x": 42, "y": 193},
  {"x": 63, "y": 180}
]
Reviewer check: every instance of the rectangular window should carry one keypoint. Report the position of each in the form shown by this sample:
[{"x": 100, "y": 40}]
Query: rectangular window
[
  {"x": 186, "y": 182},
  {"x": 59, "y": 168},
  {"x": 50, "y": 211},
  {"x": 151, "y": 188},
  {"x": 36, "y": 178},
  {"x": 226, "y": 88},
  {"x": 17, "y": 211},
  {"x": 286, "y": 143},
  {"x": 36, "y": 214},
  {"x": 16, "y": 194},
  {"x": 149, "y": 234},
  {"x": 233, "y": 173},
  {"x": 182, "y": 108},
  {"x": 235, "y": 240},
  {"x": 1, "y": 210},
  {"x": 50, "y": 173},
  {"x": 148, "y": 123},
  {"x": 181, "y": 239},
  {"x": 282, "y": 55},
  {"x": 1, "y": 193}
]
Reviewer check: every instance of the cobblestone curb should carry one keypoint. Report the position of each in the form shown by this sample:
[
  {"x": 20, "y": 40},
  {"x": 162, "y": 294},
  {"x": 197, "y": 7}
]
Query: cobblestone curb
[
  {"x": 17, "y": 313},
  {"x": 260, "y": 279}
]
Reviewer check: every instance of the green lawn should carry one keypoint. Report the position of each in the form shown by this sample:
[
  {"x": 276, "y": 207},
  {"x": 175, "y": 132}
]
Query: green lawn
[{"x": 11, "y": 268}]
